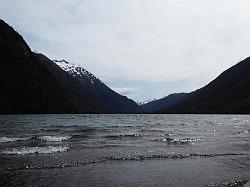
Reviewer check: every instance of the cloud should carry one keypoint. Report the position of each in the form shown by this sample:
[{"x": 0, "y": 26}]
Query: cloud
[
  {"x": 152, "y": 42},
  {"x": 126, "y": 91}
]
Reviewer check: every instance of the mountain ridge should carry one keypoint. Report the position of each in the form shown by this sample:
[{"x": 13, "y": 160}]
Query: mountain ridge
[
  {"x": 229, "y": 93},
  {"x": 108, "y": 97},
  {"x": 164, "y": 102},
  {"x": 32, "y": 83}
]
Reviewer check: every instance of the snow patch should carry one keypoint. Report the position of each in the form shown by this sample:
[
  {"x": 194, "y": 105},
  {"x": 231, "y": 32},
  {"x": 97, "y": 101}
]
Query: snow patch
[{"x": 76, "y": 70}]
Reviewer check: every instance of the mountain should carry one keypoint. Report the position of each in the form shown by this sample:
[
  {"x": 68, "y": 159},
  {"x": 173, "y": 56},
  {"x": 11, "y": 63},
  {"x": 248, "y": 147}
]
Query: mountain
[
  {"x": 32, "y": 83},
  {"x": 168, "y": 101},
  {"x": 229, "y": 93},
  {"x": 113, "y": 102}
]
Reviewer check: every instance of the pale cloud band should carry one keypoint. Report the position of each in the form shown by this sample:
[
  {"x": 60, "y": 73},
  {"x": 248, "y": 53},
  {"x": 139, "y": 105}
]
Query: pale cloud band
[{"x": 127, "y": 91}]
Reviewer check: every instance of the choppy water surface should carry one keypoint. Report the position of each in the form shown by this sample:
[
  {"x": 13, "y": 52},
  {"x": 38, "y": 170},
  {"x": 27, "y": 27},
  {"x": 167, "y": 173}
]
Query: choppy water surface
[{"x": 127, "y": 150}]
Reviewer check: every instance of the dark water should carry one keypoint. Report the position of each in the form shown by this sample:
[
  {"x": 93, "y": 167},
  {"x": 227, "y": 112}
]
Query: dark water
[{"x": 124, "y": 150}]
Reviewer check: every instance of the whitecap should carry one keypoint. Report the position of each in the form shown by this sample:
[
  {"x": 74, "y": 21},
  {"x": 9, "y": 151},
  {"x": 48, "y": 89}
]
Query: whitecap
[
  {"x": 34, "y": 150},
  {"x": 41, "y": 138},
  {"x": 12, "y": 139},
  {"x": 54, "y": 138},
  {"x": 181, "y": 140}
]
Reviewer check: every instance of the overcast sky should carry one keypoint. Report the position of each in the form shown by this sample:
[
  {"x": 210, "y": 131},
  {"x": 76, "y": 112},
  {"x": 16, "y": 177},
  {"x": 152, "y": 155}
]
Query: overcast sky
[{"x": 142, "y": 48}]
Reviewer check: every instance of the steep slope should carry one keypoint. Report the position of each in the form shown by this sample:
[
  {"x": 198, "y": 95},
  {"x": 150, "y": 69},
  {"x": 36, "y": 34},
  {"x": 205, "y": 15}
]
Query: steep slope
[
  {"x": 228, "y": 93},
  {"x": 112, "y": 101},
  {"x": 32, "y": 83},
  {"x": 28, "y": 86},
  {"x": 82, "y": 99},
  {"x": 168, "y": 101}
]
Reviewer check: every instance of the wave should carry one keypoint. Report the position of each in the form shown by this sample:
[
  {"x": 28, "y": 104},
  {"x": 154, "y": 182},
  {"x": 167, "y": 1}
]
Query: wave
[
  {"x": 54, "y": 138},
  {"x": 180, "y": 140},
  {"x": 120, "y": 136},
  {"x": 35, "y": 138},
  {"x": 85, "y": 130},
  {"x": 34, "y": 150},
  {"x": 126, "y": 158},
  {"x": 240, "y": 182},
  {"x": 123, "y": 126},
  {"x": 78, "y": 136},
  {"x": 51, "y": 130},
  {"x": 242, "y": 132},
  {"x": 69, "y": 129},
  {"x": 64, "y": 126},
  {"x": 153, "y": 130},
  {"x": 12, "y": 139}
]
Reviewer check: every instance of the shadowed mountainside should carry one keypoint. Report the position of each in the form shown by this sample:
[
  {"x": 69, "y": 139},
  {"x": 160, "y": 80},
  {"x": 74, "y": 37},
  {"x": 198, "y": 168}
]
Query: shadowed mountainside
[
  {"x": 229, "y": 93},
  {"x": 113, "y": 102},
  {"x": 32, "y": 83},
  {"x": 168, "y": 101}
]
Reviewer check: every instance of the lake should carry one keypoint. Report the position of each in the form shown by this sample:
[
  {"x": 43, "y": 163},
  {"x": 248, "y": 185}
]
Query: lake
[{"x": 124, "y": 150}]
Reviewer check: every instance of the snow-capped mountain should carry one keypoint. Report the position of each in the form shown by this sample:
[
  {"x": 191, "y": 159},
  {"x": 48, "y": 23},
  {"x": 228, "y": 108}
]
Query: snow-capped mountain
[
  {"x": 77, "y": 70},
  {"x": 113, "y": 102},
  {"x": 32, "y": 83}
]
